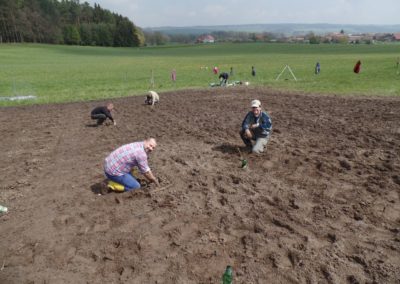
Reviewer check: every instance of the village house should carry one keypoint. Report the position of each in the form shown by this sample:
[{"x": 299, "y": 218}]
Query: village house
[
  {"x": 205, "y": 39},
  {"x": 383, "y": 37},
  {"x": 360, "y": 38},
  {"x": 396, "y": 36}
]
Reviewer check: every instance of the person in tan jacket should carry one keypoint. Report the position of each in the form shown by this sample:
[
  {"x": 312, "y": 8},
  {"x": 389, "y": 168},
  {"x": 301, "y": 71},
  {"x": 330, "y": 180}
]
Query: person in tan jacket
[{"x": 152, "y": 98}]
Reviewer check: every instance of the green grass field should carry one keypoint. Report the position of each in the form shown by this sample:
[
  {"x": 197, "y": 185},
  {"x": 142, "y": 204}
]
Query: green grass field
[{"x": 73, "y": 73}]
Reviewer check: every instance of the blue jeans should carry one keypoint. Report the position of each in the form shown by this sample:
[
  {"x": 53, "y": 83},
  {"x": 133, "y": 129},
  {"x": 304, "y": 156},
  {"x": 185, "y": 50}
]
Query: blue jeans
[{"x": 127, "y": 180}]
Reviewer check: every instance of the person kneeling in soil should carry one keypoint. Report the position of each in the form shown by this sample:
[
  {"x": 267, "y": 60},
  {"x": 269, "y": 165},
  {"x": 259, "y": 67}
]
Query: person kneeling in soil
[
  {"x": 152, "y": 98},
  {"x": 256, "y": 126},
  {"x": 119, "y": 164},
  {"x": 101, "y": 113}
]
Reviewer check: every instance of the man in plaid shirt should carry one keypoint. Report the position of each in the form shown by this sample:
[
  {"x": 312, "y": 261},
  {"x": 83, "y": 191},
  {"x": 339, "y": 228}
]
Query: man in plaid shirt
[{"x": 118, "y": 165}]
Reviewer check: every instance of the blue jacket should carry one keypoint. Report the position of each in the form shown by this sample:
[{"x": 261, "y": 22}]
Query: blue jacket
[{"x": 264, "y": 121}]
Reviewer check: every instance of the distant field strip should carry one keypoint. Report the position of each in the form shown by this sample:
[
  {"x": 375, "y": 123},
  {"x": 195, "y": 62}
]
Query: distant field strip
[{"x": 54, "y": 73}]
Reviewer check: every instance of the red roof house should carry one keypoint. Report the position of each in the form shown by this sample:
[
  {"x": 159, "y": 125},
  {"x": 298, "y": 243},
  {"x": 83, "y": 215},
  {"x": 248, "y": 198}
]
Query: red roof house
[
  {"x": 396, "y": 36},
  {"x": 205, "y": 39}
]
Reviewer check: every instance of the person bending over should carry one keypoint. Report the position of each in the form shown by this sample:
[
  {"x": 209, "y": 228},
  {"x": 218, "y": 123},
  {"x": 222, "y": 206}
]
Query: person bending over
[
  {"x": 119, "y": 164},
  {"x": 101, "y": 113},
  {"x": 152, "y": 98},
  {"x": 223, "y": 78}
]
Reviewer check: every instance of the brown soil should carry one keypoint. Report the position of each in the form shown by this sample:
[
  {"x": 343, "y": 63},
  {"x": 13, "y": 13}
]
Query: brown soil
[{"x": 320, "y": 206}]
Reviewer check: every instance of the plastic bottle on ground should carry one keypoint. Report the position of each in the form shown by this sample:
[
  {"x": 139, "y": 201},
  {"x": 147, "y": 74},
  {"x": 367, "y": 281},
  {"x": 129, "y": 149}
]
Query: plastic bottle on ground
[{"x": 3, "y": 209}]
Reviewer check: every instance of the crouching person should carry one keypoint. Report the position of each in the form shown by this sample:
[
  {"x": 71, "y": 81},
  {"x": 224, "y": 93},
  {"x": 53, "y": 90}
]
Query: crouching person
[
  {"x": 152, "y": 98},
  {"x": 119, "y": 164},
  {"x": 101, "y": 113},
  {"x": 223, "y": 79},
  {"x": 256, "y": 126}
]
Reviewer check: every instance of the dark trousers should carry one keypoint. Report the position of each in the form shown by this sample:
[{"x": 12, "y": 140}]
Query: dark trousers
[
  {"x": 246, "y": 140},
  {"x": 100, "y": 118}
]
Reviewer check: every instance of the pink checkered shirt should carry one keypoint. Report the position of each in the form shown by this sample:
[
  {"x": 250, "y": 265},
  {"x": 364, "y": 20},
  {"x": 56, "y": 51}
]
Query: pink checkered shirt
[{"x": 123, "y": 159}]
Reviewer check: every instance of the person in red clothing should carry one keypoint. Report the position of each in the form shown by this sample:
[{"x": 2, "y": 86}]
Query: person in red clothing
[{"x": 357, "y": 67}]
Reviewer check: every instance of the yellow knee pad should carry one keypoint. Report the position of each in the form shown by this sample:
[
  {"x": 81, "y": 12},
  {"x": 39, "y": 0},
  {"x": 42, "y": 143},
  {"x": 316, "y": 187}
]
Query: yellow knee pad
[{"x": 115, "y": 186}]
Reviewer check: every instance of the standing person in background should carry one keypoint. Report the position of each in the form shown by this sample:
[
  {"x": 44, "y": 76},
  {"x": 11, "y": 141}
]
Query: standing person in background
[
  {"x": 215, "y": 70},
  {"x": 357, "y": 67},
  {"x": 231, "y": 72},
  {"x": 317, "y": 68},
  {"x": 101, "y": 113},
  {"x": 253, "y": 71},
  {"x": 398, "y": 65},
  {"x": 173, "y": 75},
  {"x": 256, "y": 126}
]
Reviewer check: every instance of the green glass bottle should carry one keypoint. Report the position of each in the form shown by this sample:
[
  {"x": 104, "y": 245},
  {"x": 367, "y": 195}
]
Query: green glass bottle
[
  {"x": 227, "y": 277},
  {"x": 244, "y": 163}
]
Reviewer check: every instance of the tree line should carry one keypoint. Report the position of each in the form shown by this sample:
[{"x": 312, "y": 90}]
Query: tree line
[
  {"x": 163, "y": 38},
  {"x": 65, "y": 22}
]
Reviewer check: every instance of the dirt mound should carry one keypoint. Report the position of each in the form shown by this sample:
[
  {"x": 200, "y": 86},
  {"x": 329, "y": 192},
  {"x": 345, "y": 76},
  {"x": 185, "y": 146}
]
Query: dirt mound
[{"x": 321, "y": 205}]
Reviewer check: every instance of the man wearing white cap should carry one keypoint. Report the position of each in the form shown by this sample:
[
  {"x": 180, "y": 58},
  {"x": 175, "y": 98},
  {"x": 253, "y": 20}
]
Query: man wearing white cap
[{"x": 256, "y": 126}]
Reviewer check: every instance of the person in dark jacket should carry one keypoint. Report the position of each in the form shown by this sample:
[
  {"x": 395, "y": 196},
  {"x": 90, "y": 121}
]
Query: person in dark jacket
[
  {"x": 223, "y": 78},
  {"x": 317, "y": 68},
  {"x": 253, "y": 71},
  {"x": 101, "y": 113},
  {"x": 256, "y": 126}
]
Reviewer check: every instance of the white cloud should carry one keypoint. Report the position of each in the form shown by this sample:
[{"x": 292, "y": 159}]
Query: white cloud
[
  {"x": 147, "y": 13},
  {"x": 215, "y": 12}
]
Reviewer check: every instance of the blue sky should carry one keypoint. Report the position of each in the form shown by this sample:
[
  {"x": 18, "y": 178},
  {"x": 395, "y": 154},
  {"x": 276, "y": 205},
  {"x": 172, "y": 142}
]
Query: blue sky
[{"x": 156, "y": 13}]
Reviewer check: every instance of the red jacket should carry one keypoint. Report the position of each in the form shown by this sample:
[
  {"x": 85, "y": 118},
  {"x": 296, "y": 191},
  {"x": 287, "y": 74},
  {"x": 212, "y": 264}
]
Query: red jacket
[{"x": 357, "y": 67}]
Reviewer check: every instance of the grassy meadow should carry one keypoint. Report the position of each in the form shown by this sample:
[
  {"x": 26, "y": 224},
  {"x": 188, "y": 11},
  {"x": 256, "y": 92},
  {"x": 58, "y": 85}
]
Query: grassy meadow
[{"x": 73, "y": 73}]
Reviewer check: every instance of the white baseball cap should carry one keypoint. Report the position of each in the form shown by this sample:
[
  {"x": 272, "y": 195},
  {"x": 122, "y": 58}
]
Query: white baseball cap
[{"x": 255, "y": 103}]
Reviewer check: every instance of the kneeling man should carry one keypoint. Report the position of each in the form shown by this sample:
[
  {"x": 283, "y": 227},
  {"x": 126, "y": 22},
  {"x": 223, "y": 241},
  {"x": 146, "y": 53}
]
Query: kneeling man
[
  {"x": 119, "y": 164},
  {"x": 256, "y": 126}
]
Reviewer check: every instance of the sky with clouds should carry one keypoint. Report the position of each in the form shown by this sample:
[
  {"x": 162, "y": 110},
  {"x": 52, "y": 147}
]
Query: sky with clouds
[{"x": 180, "y": 13}]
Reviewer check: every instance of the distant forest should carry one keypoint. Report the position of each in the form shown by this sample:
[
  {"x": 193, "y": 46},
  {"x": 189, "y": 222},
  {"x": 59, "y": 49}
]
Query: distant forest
[{"x": 65, "y": 22}]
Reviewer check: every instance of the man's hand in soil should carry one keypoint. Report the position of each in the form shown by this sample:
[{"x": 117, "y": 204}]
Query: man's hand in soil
[{"x": 151, "y": 178}]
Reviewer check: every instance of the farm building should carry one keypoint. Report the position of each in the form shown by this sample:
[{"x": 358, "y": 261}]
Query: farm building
[{"x": 205, "y": 39}]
